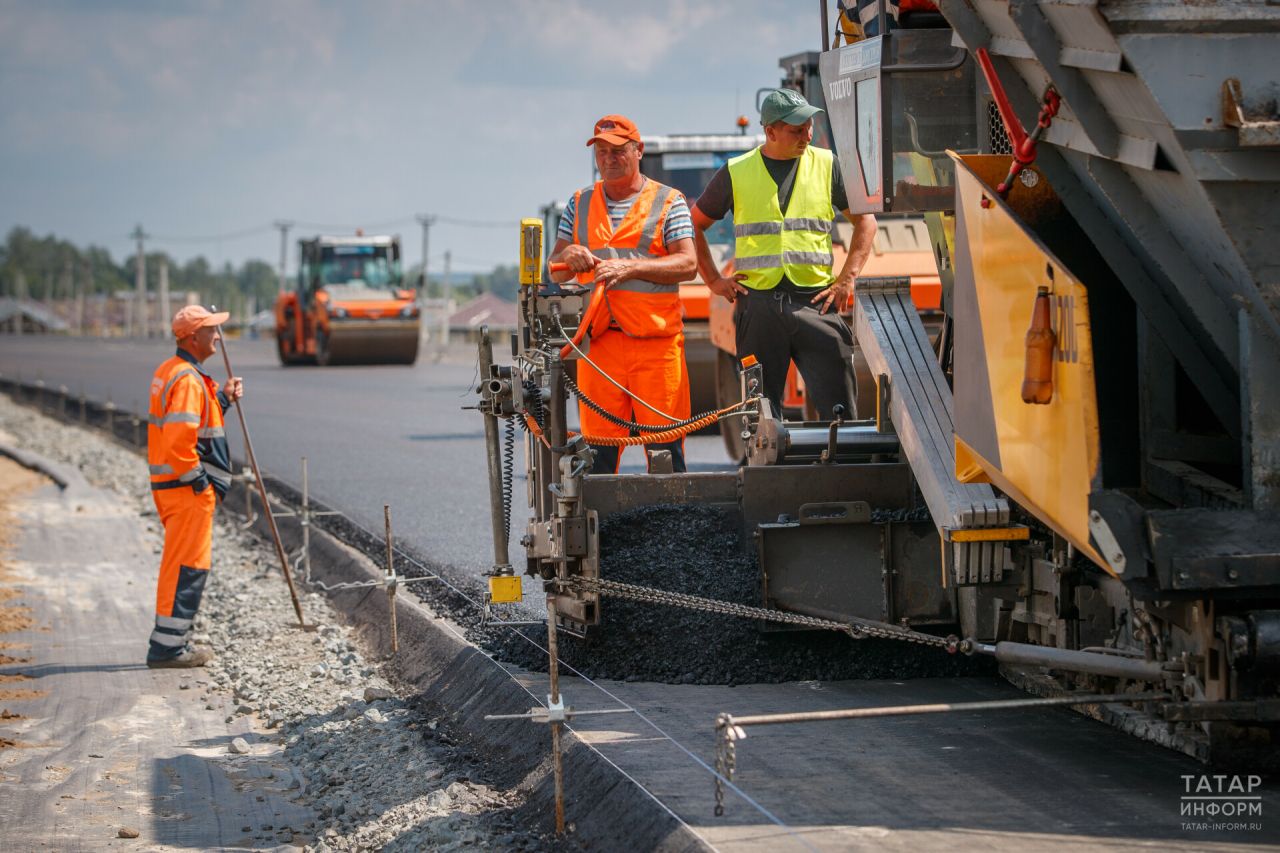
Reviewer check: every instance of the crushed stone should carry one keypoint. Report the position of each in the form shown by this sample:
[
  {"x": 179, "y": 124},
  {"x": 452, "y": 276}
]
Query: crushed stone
[
  {"x": 699, "y": 550},
  {"x": 379, "y": 773}
]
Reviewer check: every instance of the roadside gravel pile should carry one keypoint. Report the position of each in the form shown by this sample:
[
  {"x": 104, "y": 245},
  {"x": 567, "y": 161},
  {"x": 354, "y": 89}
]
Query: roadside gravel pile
[
  {"x": 698, "y": 550},
  {"x": 378, "y": 772}
]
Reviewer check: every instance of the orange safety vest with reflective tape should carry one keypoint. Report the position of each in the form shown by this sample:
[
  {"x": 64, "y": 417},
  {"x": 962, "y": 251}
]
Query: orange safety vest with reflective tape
[
  {"x": 185, "y": 432},
  {"x": 640, "y": 308}
]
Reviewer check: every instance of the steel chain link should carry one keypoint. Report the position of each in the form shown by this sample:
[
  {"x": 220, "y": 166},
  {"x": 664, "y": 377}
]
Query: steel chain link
[
  {"x": 726, "y": 750},
  {"x": 726, "y": 758},
  {"x": 855, "y": 627}
]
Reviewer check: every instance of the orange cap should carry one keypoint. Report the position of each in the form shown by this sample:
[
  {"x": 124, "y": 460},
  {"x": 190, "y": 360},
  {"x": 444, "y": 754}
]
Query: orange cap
[
  {"x": 193, "y": 317},
  {"x": 749, "y": 361},
  {"x": 615, "y": 130}
]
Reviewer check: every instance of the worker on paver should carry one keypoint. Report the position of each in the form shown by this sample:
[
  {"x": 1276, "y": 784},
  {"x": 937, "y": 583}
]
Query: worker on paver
[
  {"x": 190, "y": 464},
  {"x": 787, "y": 299},
  {"x": 632, "y": 236}
]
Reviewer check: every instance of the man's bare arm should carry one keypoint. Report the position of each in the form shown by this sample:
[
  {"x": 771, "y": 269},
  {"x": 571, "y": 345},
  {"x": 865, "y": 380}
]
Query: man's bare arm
[
  {"x": 677, "y": 266},
  {"x": 729, "y": 288},
  {"x": 841, "y": 290},
  {"x": 577, "y": 257}
]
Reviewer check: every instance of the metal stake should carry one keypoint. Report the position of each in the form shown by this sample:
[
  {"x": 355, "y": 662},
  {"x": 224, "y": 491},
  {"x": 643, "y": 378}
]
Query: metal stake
[
  {"x": 262, "y": 493},
  {"x": 250, "y": 516},
  {"x": 553, "y": 669},
  {"x": 62, "y": 402},
  {"x": 391, "y": 580}
]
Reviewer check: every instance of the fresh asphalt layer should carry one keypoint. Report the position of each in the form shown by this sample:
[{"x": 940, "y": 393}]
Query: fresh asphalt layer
[
  {"x": 394, "y": 435},
  {"x": 1003, "y": 781}
]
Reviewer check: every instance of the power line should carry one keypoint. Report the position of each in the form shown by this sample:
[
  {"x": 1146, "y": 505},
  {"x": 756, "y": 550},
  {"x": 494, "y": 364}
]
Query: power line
[
  {"x": 479, "y": 223},
  {"x": 215, "y": 238},
  {"x": 370, "y": 226}
]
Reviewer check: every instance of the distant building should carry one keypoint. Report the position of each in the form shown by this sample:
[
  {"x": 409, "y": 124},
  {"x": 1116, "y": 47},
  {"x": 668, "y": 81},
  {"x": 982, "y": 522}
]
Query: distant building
[
  {"x": 485, "y": 310},
  {"x": 29, "y": 318}
]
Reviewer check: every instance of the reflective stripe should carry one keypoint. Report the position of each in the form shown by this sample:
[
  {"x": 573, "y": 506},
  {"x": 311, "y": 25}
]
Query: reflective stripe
[
  {"x": 639, "y": 285},
  {"x": 174, "y": 418},
  {"x": 815, "y": 258},
  {"x": 580, "y": 207},
  {"x": 211, "y": 432},
  {"x": 164, "y": 395},
  {"x": 192, "y": 475},
  {"x": 756, "y": 229},
  {"x": 158, "y": 470},
  {"x": 759, "y": 262},
  {"x": 169, "y": 484},
  {"x": 647, "y": 234},
  {"x": 803, "y": 223},
  {"x": 172, "y": 641},
  {"x": 217, "y": 474},
  {"x": 610, "y": 252},
  {"x": 173, "y": 622}
]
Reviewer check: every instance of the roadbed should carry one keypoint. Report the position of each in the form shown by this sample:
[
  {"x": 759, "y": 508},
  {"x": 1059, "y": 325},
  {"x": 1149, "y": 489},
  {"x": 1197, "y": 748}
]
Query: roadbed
[{"x": 290, "y": 739}]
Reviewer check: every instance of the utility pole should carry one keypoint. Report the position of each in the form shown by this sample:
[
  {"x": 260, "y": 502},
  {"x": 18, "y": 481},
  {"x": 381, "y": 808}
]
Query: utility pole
[
  {"x": 446, "y": 291},
  {"x": 284, "y": 227},
  {"x": 426, "y": 220},
  {"x": 139, "y": 314},
  {"x": 164, "y": 291}
]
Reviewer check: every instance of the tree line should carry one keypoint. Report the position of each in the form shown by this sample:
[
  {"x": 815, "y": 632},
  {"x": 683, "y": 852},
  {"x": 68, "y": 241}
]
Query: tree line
[{"x": 56, "y": 269}]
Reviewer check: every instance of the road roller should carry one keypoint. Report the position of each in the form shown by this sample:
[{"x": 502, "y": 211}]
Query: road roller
[{"x": 349, "y": 305}]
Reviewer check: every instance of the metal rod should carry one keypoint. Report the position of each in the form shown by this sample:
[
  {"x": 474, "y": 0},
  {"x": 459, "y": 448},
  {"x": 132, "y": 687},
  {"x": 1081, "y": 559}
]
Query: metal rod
[
  {"x": 553, "y": 669},
  {"x": 826, "y": 43},
  {"x": 539, "y": 713},
  {"x": 262, "y": 492},
  {"x": 501, "y": 557},
  {"x": 940, "y": 708},
  {"x": 1078, "y": 661},
  {"x": 391, "y": 581},
  {"x": 306, "y": 523}
]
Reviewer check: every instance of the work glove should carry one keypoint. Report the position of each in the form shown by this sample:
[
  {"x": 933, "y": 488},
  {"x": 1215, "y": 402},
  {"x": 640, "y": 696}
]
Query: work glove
[{"x": 199, "y": 484}]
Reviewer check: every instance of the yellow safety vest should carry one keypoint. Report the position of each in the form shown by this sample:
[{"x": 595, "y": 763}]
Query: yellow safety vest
[{"x": 769, "y": 243}]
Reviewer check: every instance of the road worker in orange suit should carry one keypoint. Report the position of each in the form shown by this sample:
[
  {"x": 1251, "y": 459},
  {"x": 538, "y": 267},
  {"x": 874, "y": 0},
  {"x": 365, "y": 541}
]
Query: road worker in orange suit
[
  {"x": 632, "y": 236},
  {"x": 190, "y": 465}
]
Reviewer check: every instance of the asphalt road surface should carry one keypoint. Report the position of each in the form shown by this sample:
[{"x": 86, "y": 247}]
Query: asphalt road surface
[
  {"x": 1015, "y": 781},
  {"x": 394, "y": 435}
]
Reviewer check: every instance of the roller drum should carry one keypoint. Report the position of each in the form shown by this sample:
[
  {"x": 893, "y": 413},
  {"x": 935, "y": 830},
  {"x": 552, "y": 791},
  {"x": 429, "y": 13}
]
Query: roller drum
[{"x": 373, "y": 343}]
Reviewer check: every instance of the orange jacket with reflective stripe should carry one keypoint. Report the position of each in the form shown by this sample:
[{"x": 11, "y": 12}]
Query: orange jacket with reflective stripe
[
  {"x": 641, "y": 308},
  {"x": 185, "y": 432}
]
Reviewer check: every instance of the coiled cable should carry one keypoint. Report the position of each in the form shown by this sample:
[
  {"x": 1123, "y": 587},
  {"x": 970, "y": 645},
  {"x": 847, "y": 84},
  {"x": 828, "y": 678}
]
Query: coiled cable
[
  {"x": 508, "y": 470},
  {"x": 622, "y": 422}
]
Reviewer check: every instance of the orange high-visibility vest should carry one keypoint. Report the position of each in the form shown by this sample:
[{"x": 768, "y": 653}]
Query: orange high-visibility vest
[
  {"x": 185, "y": 432},
  {"x": 641, "y": 308}
]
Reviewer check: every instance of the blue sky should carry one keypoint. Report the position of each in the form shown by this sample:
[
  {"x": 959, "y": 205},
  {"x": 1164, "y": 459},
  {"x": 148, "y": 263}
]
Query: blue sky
[{"x": 215, "y": 117}]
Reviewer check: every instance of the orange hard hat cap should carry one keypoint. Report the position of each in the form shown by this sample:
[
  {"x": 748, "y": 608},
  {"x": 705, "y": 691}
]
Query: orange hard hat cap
[
  {"x": 193, "y": 317},
  {"x": 616, "y": 130}
]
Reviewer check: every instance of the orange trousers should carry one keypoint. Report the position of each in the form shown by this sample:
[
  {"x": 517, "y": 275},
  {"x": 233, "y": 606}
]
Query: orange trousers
[
  {"x": 651, "y": 368},
  {"x": 184, "y": 566}
]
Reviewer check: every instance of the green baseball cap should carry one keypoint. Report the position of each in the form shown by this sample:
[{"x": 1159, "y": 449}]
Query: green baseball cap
[{"x": 786, "y": 105}]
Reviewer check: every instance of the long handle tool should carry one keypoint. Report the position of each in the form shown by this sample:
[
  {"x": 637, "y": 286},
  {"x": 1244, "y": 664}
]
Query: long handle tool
[{"x": 262, "y": 491}]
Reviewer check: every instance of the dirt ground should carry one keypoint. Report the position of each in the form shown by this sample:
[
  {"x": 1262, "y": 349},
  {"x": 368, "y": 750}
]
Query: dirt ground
[{"x": 15, "y": 483}]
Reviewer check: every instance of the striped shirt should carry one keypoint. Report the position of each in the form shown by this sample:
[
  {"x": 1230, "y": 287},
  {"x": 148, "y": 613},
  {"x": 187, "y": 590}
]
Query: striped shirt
[{"x": 677, "y": 226}]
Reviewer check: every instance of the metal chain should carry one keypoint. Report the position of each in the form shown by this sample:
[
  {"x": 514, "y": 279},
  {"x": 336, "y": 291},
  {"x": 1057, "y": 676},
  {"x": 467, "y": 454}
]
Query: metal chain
[
  {"x": 726, "y": 759},
  {"x": 855, "y": 627}
]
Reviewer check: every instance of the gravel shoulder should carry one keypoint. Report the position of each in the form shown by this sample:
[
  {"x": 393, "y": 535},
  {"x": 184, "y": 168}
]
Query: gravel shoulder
[{"x": 288, "y": 739}]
